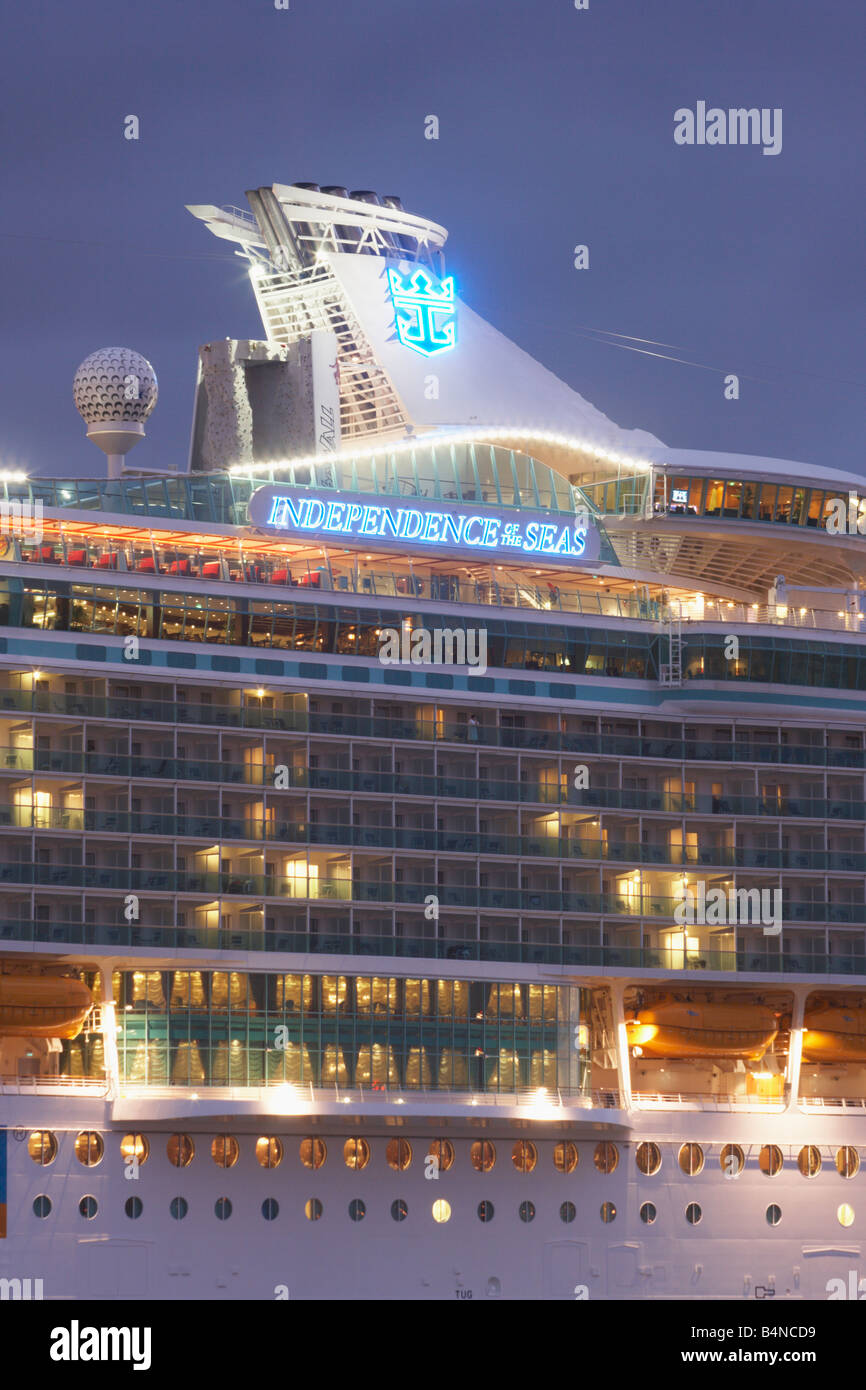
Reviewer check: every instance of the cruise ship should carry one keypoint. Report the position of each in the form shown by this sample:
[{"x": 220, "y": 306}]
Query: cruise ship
[{"x": 433, "y": 824}]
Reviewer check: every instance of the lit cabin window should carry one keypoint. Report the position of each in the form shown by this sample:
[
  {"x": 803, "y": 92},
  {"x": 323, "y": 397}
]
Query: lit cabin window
[
  {"x": 691, "y": 1159},
  {"x": 441, "y": 1211},
  {"x": 356, "y": 1154},
  {"x": 809, "y": 1161},
  {"x": 225, "y": 1150},
  {"x": 313, "y": 1153},
  {"x": 442, "y": 1150},
  {"x": 42, "y": 1147},
  {"x": 482, "y": 1155},
  {"x": 606, "y": 1157},
  {"x": 732, "y": 1160},
  {"x": 524, "y": 1156},
  {"x": 845, "y": 1215},
  {"x": 180, "y": 1150},
  {"x": 770, "y": 1160},
  {"x": 399, "y": 1154},
  {"x": 847, "y": 1161},
  {"x": 608, "y": 1212},
  {"x": 269, "y": 1151},
  {"x": 648, "y": 1158},
  {"x": 313, "y": 1209},
  {"x": 565, "y": 1156},
  {"x": 89, "y": 1148},
  {"x": 135, "y": 1146}
]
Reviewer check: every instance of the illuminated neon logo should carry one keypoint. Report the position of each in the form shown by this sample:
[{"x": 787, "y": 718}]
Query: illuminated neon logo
[{"x": 424, "y": 313}]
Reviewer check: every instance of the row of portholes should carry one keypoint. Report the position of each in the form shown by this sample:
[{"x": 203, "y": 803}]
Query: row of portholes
[
  {"x": 441, "y": 1210},
  {"x": 225, "y": 1152},
  {"x": 313, "y": 1153},
  {"x": 732, "y": 1160}
]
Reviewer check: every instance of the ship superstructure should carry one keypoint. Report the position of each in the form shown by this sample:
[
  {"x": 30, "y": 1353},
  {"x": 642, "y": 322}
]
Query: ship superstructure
[{"x": 424, "y": 977}]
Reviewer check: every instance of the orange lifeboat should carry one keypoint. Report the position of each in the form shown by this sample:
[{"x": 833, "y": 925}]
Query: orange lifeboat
[
  {"x": 42, "y": 1006},
  {"x": 682, "y": 1029},
  {"x": 835, "y": 1032}
]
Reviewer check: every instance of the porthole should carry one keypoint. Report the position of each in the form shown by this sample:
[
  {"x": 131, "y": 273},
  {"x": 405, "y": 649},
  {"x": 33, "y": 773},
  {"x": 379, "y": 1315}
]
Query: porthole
[
  {"x": 693, "y": 1213},
  {"x": 486, "y": 1211},
  {"x": 223, "y": 1208},
  {"x": 398, "y": 1152},
  {"x": 42, "y": 1206},
  {"x": 847, "y": 1161},
  {"x": 357, "y": 1209},
  {"x": 178, "y": 1206},
  {"x": 608, "y": 1212},
  {"x": 89, "y": 1148},
  {"x": 42, "y": 1147},
  {"x": 648, "y": 1213},
  {"x": 441, "y": 1211},
  {"x": 482, "y": 1155},
  {"x": 225, "y": 1150},
  {"x": 606, "y": 1157},
  {"x": 399, "y": 1210},
  {"x": 527, "y": 1211},
  {"x": 524, "y": 1156},
  {"x": 648, "y": 1158},
  {"x": 356, "y": 1154},
  {"x": 442, "y": 1150},
  {"x": 135, "y": 1146},
  {"x": 732, "y": 1160},
  {"x": 691, "y": 1159},
  {"x": 270, "y": 1208},
  {"x": 133, "y": 1206},
  {"x": 774, "y": 1215},
  {"x": 269, "y": 1151},
  {"x": 770, "y": 1160},
  {"x": 567, "y": 1212},
  {"x": 313, "y": 1209},
  {"x": 88, "y": 1206},
  {"x": 809, "y": 1161},
  {"x": 845, "y": 1214},
  {"x": 565, "y": 1156},
  {"x": 313, "y": 1153},
  {"x": 180, "y": 1150}
]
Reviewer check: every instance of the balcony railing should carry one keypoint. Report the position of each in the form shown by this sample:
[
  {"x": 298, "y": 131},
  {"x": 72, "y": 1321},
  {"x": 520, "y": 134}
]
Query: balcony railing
[
  {"x": 288, "y": 942},
  {"x": 425, "y": 728}
]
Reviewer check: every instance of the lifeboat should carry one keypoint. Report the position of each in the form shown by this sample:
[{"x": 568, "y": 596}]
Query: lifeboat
[
  {"x": 835, "y": 1032},
  {"x": 682, "y": 1029},
  {"x": 42, "y": 1006}
]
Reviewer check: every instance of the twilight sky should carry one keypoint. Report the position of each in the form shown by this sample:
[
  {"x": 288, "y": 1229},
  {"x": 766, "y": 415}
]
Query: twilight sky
[{"x": 556, "y": 128}]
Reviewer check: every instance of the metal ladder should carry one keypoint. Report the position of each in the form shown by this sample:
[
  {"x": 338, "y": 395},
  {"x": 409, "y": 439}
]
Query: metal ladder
[{"x": 671, "y": 671}]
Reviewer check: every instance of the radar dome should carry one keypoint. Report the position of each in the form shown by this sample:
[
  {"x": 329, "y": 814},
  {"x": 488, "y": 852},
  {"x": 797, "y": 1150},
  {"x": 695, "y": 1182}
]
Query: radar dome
[{"x": 115, "y": 384}]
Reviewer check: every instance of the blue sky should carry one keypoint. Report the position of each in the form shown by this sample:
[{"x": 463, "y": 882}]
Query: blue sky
[{"x": 556, "y": 128}]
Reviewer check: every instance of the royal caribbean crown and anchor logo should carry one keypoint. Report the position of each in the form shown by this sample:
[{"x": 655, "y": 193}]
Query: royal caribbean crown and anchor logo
[{"x": 425, "y": 314}]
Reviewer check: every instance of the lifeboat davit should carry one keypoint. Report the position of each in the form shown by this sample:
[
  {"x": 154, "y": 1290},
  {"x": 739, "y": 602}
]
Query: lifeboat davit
[
  {"x": 835, "y": 1033},
  {"x": 679, "y": 1028},
  {"x": 42, "y": 1006}
]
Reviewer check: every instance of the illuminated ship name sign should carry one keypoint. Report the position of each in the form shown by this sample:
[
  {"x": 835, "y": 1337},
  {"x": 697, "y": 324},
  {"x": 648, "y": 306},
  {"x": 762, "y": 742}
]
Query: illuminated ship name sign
[
  {"x": 421, "y": 308},
  {"x": 496, "y": 532}
]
